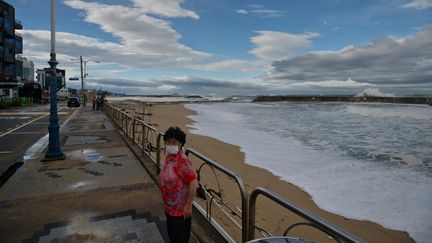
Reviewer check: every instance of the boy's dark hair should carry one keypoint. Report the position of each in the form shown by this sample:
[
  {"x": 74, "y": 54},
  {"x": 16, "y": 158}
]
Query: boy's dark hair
[{"x": 177, "y": 133}]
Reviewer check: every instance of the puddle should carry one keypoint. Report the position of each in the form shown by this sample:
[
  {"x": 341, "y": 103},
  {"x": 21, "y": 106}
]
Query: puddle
[
  {"x": 80, "y": 184},
  {"x": 89, "y": 155}
]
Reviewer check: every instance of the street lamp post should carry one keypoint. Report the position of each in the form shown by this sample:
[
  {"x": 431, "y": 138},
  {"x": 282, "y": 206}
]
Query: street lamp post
[
  {"x": 83, "y": 98},
  {"x": 54, "y": 152},
  {"x": 83, "y": 74}
]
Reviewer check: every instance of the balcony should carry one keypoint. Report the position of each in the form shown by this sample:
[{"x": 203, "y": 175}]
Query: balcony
[
  {"x": 9, "y": 43},
  {"x": 18, "y": 50},
  {"x": 8, "y": 28},
  {"x": 18, "y": 44},
  {"x": 10, "y": 58},
  {"x": 9, "y": 70},
  {"x": 18, "y": 25},
  {"x": 18, "y": 70}
]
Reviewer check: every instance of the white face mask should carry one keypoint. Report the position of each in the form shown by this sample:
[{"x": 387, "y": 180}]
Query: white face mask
[{"x": 171, "y": 149}]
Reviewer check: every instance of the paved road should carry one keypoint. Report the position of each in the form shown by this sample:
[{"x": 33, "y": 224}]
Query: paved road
[{"x": 21, "y": 127}]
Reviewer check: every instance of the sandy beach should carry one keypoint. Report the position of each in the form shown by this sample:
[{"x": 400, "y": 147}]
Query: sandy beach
[{"x": 269, "y": 215}]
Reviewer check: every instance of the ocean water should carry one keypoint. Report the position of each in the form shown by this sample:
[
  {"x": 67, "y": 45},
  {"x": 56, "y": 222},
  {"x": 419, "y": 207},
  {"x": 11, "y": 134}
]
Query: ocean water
[{"x": 362, "y": 161}]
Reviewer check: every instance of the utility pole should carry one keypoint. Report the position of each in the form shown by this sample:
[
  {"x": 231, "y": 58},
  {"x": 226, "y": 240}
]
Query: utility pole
[
  {"x": 54, "y": 152},
  {"x": 83, "y": 98}
]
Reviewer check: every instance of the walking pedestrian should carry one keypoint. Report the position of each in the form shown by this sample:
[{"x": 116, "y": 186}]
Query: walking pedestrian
[
  {"x": 94, "y": 102},
  {"x": 98, "y": 103}
]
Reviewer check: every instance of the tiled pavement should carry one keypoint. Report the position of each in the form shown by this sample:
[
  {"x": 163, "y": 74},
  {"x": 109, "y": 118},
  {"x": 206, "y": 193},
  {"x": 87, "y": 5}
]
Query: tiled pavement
[
  {"x": 122, "y": 227},
  {"x": 99, "y": 193}
]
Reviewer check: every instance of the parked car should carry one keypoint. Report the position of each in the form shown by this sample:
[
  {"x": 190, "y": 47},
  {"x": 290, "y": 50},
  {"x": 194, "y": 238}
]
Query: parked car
[{"x": 73, "y": 102}]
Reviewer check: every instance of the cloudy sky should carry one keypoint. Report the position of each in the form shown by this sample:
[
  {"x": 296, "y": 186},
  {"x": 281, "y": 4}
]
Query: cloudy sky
[{"x": 227, "y": 47}]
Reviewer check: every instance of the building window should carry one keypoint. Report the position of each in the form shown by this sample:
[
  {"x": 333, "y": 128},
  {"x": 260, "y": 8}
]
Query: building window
[
  {"x": 8, "y": 24},
  {"x": 10, "y": 41},
  {"x": 18, "y": 45}
]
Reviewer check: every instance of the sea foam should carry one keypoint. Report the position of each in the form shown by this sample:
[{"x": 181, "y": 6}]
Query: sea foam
[{"x": 396, "y": 197}]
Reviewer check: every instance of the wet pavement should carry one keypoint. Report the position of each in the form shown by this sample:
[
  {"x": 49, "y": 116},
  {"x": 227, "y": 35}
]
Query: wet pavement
[
  {"x": 20, "y": 127},
  {"x": 99, "y": 193}
]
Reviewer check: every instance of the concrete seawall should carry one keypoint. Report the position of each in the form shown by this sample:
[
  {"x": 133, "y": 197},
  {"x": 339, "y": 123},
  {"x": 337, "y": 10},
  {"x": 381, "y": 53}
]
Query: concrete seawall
[{"x": 400, "y": 100}]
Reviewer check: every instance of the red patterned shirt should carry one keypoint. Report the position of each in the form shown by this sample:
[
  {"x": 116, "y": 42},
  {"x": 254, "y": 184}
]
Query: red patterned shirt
[{"x": 175, "y": 178}]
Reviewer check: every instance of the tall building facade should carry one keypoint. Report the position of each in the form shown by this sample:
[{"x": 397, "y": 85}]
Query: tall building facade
[
  {"x": 28, "y": 72},
  {"x": 11, "y": 44},
  {"x": 43, "y": 81}
]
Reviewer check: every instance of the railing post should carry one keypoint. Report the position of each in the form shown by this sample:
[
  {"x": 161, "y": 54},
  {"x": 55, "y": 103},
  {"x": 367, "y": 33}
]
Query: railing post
[
  {"x": 251, "y": 224},
  {"x": 142, "y": 140},
  {"x": 133, "y": 130},
  {"x": 126, "y": 124},
  {"x": 158, "y": 155}
]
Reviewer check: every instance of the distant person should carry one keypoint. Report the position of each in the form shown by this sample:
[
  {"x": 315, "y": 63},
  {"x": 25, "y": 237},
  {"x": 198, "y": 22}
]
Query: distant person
[
  {"x": 98, "y": 103},
  {"x": 94, "y": 102},
  {"x": 178, "y": 185},
  {"x": 103, "y": 100}
]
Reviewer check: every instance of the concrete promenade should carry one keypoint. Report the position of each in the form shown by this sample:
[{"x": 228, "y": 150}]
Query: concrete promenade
[
  {"x": 99, "y": 193},
  {"x": 20, "y": 127}
]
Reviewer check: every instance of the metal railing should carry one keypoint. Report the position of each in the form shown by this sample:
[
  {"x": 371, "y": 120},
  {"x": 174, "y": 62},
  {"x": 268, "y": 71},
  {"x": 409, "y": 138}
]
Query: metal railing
[
  {"x": 143, "y": 135},
  {"x": 211, "y": 195},
  {"x": 149, "y": 139},
  {"x": 312, "y": 220}
]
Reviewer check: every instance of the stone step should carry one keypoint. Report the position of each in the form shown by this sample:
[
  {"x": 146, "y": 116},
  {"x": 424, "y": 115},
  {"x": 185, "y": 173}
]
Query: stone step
[{"x": 124, "y": 228}]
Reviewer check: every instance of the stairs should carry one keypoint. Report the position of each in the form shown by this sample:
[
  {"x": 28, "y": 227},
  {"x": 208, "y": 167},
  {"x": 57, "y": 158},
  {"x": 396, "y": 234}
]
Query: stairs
[{"x": 124, "y": 226}]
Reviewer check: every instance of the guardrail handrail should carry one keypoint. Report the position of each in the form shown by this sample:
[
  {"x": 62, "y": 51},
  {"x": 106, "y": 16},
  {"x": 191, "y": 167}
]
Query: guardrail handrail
[
  {"x": 248, "y": 210},
  {"x": 121, "y": 118},
  {"x": 240, "y": 183},
  {"x": 332, "y": 230}
]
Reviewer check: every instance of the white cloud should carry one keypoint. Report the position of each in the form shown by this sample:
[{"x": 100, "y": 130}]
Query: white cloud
[
  {"x": 333, "y": 84},
  {"x": 165, "y": 8},
  {"x": 268, "y": 46},
  {"x": 167, "y": 87},
  {"x": 138, "y": 32},
  {"x": 70, "y": 45},
  {"x": 274, "y": 45},
  {"x": 260, "y": 11},
  {"x": 145, "y": 42},
  {"x": 418, "y": 4}
]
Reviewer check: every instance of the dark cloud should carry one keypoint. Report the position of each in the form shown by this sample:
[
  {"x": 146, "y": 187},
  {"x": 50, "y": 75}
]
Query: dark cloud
[
  {"x": 197, "y": 82},
  {"x": 385, "y": 62},
  {"x": 181, "y": 84}
]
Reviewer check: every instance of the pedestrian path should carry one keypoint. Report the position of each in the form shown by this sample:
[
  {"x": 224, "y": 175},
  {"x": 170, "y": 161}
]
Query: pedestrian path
[{"x": 99, "y": 193}]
